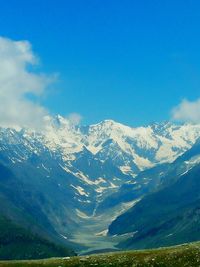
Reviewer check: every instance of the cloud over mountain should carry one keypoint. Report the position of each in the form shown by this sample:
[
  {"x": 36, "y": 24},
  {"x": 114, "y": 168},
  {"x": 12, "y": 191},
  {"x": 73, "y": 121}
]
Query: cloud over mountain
[
  {"x": 187, "y": 111},
  {"x": 19, "y": 85}
]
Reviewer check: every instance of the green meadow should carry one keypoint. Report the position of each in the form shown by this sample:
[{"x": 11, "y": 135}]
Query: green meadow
[{"x": 178, "y": 256}]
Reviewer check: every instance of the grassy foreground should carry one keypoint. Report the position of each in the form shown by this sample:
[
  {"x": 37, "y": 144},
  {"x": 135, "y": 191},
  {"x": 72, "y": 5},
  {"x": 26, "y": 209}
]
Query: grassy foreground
[{"x": 178, "y": 256}]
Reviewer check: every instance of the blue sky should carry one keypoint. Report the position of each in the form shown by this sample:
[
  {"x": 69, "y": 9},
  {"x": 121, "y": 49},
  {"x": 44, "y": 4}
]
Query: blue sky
[{"x": 131, "y": 61}]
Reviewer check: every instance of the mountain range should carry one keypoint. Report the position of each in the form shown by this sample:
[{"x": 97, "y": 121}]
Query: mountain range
[{"x": 103, "y": 186}]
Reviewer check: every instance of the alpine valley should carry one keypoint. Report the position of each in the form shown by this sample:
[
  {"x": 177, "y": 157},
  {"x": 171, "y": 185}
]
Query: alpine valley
[{"x": 102, "y": 187}]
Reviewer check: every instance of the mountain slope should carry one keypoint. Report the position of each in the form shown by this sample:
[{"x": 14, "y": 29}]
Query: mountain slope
[
  {"x": 20, "y": 243},
  {"x": 170, "y": 215},
  {"x": 145, "y": 182}
]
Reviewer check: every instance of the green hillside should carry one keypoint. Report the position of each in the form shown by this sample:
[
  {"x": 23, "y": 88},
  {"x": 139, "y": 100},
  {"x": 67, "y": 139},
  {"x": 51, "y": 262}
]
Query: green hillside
[
  {"x": 19, "y": 243},
  {"x": 187, "y": 255}
]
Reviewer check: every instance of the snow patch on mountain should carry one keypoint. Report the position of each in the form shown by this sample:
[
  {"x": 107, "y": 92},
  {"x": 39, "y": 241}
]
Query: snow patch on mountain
[{"x": 143, "y": 146}]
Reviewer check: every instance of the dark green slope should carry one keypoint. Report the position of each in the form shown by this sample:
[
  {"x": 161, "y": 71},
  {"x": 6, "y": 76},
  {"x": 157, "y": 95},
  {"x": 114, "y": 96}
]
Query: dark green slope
[
  {"x": 17, "y": 201},
  {"x": 17, "y": 242},
  {"x": 25, "y": 230}
]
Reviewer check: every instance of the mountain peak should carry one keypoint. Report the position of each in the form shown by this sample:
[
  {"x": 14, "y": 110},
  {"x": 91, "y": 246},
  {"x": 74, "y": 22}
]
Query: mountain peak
[{"x": 108, "y": 122}]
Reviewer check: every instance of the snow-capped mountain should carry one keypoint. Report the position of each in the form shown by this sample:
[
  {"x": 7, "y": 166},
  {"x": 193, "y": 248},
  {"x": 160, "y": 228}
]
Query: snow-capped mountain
[
  {"x": 130, "y": 149},
  {"x": 70, "y": 175},
  {"x": 104, "y": 155}
]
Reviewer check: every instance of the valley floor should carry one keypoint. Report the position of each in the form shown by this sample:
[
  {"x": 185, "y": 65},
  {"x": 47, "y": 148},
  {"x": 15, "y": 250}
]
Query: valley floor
[
  {"x": 187, "y": 255},
  {"x": 92, "y": 232}
]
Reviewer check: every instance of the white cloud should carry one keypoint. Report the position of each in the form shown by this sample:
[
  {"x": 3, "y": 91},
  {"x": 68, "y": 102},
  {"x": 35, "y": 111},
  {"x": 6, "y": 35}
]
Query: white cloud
[
  {"x": 74, "y": 118},
  {"x": 17, "y": 81},
  {"x": 187, "y": 111}
]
